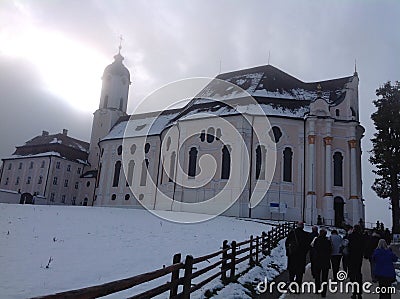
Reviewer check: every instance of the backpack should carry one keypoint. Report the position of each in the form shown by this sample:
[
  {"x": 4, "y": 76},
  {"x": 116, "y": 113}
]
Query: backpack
[{"x": 344, "y": 248}]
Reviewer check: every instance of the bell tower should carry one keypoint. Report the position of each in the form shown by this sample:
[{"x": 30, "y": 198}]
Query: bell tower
[{"x": 113, "y": 104}]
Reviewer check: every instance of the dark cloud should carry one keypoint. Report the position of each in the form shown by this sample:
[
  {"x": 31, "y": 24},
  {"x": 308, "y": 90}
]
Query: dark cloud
[
  {"x": 27, "y": 109},
  {"x": 166, "y": 41}
]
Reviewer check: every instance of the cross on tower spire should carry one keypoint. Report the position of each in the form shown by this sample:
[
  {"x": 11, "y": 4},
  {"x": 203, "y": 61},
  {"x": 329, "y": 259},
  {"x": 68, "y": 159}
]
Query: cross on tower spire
[
  {"x": 120, "y": 44},
  {"x": 355, "y": 67}
]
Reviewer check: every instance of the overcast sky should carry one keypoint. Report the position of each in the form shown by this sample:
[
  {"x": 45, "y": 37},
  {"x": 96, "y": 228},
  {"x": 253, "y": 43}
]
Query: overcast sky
[{"x": 53, "y": 53}]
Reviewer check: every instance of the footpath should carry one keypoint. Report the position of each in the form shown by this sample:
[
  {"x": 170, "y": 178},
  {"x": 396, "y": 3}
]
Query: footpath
[{"x": 308, "y": 278}]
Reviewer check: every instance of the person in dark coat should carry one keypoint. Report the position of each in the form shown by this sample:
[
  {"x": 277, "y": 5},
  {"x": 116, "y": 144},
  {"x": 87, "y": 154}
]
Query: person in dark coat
[
  {"x": 299, "y": 240},
  {"x": 370, "y": 246},
  {"x": 384, "y": 268},
  {"x": 356, "y": 252},
  {"x": 387, "y": 236},
  {"x": 322, "y": 248},
  {"x": 313, "y": 235}
]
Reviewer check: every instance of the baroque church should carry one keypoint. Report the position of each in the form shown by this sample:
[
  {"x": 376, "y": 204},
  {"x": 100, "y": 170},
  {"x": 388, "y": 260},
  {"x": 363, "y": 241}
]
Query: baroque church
[{"x": 256, "y": 142}]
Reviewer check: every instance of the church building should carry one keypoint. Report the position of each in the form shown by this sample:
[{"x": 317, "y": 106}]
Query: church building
[
  {"x": 256, "y": 142},
  {"x": 154, "y": 159}
]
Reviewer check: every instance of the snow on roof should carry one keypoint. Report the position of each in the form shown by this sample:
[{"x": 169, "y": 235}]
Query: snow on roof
[
  {"x": 9, "y": 191},
  {"x": 268, "y": 81},
  {"x": 58, "y": 139},
  {"x": 38, "y": 155},
  {"x": 44, "y": 154},
  {"x": 264, "y": 90},
  {"x": 60, "y": 145},
  {"x": 142, "y": 125},
  {"x": 220, "y": 109}
]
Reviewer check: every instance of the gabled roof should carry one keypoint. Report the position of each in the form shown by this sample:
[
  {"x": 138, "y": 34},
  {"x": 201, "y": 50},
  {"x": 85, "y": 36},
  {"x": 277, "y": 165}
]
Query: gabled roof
[
  {"x": 59, "y": 138},
  {"x": 60, "y": 145},
  {"x": 268, "y": 81},
  {"x": 274, "y": 91}
]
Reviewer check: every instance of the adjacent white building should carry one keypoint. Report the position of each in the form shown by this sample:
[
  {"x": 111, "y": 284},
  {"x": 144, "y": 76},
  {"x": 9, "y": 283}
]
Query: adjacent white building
[{"x": 48, "y": 166}]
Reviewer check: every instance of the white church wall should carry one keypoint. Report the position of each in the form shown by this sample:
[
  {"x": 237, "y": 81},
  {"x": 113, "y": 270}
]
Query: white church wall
[
  {"x": 287, "y": 194},
  {"x": 143, "y": 193}
]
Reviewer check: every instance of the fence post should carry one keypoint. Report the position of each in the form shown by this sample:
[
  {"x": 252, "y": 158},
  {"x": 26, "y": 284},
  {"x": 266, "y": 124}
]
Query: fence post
[
  {"x": 263, "y": 240},
  {"x": 257, "y": 248},
  {"x": 175, "y": 276},
  {"x": 269, "y": 242},
  {"x": 224, "y": 260},
  {"x": 187, "y": 279},
  {"x": 233, "y": 260},
  {"x": 251, "y": 260}
]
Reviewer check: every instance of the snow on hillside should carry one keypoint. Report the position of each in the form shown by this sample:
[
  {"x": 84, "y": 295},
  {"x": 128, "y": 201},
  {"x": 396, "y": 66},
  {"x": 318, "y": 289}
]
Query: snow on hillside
[{"x": 90, "y": 245}]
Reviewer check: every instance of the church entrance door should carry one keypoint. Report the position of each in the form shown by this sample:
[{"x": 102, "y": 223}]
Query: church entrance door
[{"x": 339, "y": 211}]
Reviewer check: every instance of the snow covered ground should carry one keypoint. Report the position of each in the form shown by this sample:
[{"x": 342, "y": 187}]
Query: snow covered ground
[{"x": 90, "y": 246}]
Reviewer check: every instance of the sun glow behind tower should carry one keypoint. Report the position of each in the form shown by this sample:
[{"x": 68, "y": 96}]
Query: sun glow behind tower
[{"x": 70, "y": 70}]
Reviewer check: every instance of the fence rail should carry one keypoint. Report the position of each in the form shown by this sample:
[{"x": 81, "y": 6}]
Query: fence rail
[{"x": 222, "y": 263}]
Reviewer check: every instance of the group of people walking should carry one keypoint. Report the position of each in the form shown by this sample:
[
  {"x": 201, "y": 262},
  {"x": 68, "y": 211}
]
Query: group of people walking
[{"x": 329, "y": 252}]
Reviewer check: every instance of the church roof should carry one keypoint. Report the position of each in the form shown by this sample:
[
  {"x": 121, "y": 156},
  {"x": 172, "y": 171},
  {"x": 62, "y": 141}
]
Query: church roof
[
  {"x": 60, "y": 145},
  {"x": 270, "y": 82},
  {"x": 274, "y": 91},
  {"x": 144, "y": 124}
]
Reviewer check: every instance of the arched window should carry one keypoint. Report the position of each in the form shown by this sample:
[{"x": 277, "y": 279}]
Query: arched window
[
  {"x": 113, "y": 197},
  {"x": 337, "y": 169},
  {"x": 117, "y": 171},
  {"x": 337, "y": 111},
  {"x": 97, "y": 179},
  {"x": 287, "y": 164},
  {"x": 226, "y": 163},
  {"x": 119, "y": 150},
  {"x": 168, "y": 143},
  {"x": 147, "y": 148},
  {"x": 210, "y": 135},
  {"x": 192, "y": 162},
  {"x": 260, "y": 162},
  {"x": 143, "y": 176},
  {"x": 277, "y": 134},
  {"x": 105, "y": 105},
  {"x": 127, "y": 196},
  {"x": 133, "y": 149},
  {"x": 219, "y": 134},
  {"x": 121, "y": 103},
  {"x": 203, "y": 135},
  {"x": 172, "y": 167},
  {"x": 131, "y": 168}
]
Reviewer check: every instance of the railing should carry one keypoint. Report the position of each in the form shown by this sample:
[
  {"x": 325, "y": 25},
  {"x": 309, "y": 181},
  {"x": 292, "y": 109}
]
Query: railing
[{"x": 222, "y": 263}]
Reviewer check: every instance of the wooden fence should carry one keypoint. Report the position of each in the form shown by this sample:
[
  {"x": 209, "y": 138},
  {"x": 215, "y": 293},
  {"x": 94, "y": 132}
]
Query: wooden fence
[{"x": 183, "y": 280}]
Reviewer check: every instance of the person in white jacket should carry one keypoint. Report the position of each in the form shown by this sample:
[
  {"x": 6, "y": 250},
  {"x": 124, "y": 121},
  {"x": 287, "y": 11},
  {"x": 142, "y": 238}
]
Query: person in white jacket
[{"x": 336, "y": 253}]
